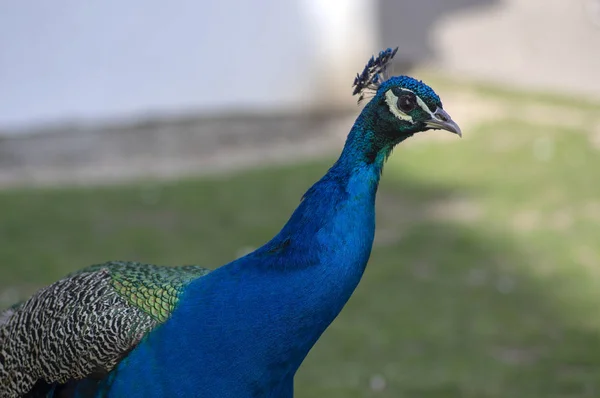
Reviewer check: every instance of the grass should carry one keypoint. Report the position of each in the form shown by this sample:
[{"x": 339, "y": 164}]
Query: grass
[{"x": 482, "y": 282}]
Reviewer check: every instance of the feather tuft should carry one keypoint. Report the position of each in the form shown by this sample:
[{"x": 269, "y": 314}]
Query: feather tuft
[{"x": 373, "y": 74}]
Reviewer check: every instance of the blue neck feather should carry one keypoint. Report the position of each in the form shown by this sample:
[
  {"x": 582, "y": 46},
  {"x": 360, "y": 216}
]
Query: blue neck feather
[{"x": 244, "y": 329}]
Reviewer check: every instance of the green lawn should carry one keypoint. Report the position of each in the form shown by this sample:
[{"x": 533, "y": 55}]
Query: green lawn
[{"x": 484, "y": 280}]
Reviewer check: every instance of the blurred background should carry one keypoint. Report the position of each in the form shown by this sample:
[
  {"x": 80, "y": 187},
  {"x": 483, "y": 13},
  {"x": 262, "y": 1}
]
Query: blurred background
[{"x": 186, "y": 132}]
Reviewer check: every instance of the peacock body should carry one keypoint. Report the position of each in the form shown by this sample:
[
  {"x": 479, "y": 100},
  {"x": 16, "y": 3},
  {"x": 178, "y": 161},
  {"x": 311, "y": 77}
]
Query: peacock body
[{"x": 123, "y": 329}]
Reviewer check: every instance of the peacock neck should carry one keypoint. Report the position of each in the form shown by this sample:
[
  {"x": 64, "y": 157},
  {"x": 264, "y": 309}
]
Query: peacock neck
[
  {"x": 369, "y": 143},
  {"x": 344, "y": 195},
  {"x": 363, "y": 154},
  {"x": 349, "y": 188}
]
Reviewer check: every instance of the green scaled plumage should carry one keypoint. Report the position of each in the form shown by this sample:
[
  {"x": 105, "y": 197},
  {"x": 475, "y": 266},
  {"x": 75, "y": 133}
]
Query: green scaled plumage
[
  {"x": 107, "y": 309},
  {"x": 153, "y": 289}
]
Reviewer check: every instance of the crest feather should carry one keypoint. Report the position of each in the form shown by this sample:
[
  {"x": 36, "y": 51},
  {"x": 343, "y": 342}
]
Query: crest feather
[{"x": 373, "y": 74}]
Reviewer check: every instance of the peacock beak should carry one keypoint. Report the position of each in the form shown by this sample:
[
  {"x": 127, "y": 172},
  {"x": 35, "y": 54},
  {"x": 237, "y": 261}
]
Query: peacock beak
[{"x": 441, "y": 120}]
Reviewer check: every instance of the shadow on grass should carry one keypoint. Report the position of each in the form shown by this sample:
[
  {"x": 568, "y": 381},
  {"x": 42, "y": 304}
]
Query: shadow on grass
[{"x": 446, "y": 308}]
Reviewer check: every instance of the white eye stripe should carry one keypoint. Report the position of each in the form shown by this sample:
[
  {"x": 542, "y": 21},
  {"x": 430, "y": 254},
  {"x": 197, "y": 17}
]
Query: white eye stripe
[
  {"x": 392, "y": 100},
  {"x": 424, "y": 106}
]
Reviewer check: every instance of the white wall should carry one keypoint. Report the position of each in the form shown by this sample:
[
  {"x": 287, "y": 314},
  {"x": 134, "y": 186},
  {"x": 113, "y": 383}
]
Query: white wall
[{"x": 97, "y": 59}]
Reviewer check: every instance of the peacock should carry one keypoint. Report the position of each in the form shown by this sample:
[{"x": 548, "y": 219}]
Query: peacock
[{"x": 124, "y": 329}]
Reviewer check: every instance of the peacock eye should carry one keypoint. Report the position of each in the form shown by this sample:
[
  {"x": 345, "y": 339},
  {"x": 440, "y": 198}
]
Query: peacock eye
[{"x": 407, "y": 102}]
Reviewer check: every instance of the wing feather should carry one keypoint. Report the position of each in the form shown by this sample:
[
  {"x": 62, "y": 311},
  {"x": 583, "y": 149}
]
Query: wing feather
[{"x": 85, "y": 323}]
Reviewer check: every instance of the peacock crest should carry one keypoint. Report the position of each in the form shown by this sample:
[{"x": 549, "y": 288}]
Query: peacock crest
[{"x": 373, "y": 74}]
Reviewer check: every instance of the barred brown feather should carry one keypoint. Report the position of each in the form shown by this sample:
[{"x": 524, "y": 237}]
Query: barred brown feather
[{"x": 84, "y": 323}]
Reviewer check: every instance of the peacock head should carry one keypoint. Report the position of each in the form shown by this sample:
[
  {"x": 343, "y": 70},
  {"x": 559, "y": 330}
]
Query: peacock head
[{"x": 400, "y": 105}]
